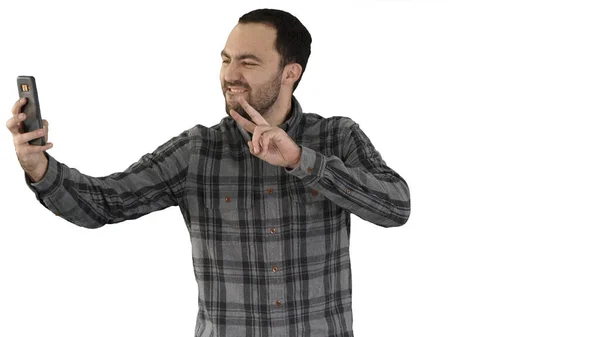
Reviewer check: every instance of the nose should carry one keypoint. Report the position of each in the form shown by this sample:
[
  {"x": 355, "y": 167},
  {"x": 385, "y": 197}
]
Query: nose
[{"x": 231, "y": 72}]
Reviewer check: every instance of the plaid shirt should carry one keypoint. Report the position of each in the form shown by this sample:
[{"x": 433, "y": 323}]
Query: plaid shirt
[{"x": 270, "y": 244}]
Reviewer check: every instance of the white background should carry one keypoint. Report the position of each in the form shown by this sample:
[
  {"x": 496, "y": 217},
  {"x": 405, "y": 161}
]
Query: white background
[{"x": 488, "y": 110}]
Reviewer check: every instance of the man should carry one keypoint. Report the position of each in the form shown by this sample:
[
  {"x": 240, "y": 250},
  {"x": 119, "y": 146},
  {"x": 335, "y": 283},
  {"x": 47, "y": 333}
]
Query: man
[{"x": 266, "y": 194}]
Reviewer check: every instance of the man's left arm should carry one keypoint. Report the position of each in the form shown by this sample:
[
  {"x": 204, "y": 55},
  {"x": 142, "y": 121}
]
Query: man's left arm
[{"x": 360, "y": 181}]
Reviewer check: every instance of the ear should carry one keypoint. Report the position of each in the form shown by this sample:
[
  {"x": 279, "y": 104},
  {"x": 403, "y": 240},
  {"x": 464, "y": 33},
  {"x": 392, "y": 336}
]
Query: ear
[{"x": 291, "y": 73}]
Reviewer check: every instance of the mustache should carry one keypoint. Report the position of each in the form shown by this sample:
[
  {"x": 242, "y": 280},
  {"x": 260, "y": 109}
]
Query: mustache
[{"x": 235, "y": 84}]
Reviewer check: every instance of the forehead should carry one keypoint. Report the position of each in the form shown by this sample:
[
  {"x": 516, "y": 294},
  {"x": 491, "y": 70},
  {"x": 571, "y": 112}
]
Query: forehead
[{"x": 252, "y": 38}]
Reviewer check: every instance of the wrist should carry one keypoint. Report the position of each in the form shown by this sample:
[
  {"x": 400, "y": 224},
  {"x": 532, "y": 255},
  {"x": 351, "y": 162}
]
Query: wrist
[
  {"x": 297, "y": 162},
  {"x": 39, "y": 173}
]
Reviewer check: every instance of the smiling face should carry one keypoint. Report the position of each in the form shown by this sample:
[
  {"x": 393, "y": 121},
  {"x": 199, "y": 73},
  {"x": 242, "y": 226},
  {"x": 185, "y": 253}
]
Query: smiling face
[{"x": 250, "y": 68}]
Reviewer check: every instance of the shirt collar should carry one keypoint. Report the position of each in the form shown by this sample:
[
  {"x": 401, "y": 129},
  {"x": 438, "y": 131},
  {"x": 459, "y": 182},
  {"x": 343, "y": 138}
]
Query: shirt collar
[{"x": 291, "y": 123}]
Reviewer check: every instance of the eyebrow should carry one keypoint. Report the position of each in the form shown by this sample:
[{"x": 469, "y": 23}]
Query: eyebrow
[{"x": 243, "y": 56}]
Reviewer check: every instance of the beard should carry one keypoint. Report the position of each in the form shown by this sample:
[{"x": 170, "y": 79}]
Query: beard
[{"x": 261, "y": 99}]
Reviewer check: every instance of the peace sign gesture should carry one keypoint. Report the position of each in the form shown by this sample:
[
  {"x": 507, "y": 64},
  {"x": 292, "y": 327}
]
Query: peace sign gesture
[{"x": 269, "y": 143}]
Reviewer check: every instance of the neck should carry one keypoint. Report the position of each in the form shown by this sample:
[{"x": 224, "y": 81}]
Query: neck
[{"x": 279, "y": 111}]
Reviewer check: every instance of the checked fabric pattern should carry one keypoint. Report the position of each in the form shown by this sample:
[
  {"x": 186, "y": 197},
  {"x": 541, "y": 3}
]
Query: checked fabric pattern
[{"x": 270, "y": 245}]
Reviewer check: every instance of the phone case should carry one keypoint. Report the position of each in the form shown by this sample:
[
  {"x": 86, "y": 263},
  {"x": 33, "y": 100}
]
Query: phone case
[{"x": 28, "y": 89}]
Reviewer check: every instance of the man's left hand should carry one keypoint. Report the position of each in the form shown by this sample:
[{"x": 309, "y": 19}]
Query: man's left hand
[{"x": 269, "y": 143}]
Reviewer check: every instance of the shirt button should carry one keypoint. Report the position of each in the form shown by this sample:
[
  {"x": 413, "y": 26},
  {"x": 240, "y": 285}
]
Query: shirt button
[
  {"x": 314, "y": 193},
  {"x": 275, "y": 269},
  {"x": 227, "y": 199},
  {"x": 269, "y": 190},
  {"x": 273, "y": 230},
  {"x": 278, "y": 303},
  {"x": 347, "y": 191},
  {"x": 309, "y": 170},
  {"x": 57, "y": 214}
]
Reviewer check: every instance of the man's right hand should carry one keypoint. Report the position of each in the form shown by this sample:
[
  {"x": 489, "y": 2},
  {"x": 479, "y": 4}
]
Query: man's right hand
[{"x": 31, "y": 157}]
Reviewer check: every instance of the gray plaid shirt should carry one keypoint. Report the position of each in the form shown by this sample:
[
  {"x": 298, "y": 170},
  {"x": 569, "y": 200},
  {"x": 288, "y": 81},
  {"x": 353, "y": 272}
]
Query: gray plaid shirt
[{"x": 270, "y": 244}]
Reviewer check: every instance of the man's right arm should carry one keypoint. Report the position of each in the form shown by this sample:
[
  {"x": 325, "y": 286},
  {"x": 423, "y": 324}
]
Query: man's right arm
[{"x": 155, "y": 182}]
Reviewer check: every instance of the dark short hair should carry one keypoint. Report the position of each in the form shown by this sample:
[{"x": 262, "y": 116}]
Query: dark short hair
[{"x": 293, "y": 39}]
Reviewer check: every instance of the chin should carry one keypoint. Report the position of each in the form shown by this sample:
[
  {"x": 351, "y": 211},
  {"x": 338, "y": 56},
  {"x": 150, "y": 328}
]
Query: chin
[{"x": 235, "y": 107}]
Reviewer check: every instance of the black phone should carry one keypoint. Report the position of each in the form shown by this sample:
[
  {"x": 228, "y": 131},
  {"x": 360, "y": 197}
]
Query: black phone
[{"x": 28, "y": 89}]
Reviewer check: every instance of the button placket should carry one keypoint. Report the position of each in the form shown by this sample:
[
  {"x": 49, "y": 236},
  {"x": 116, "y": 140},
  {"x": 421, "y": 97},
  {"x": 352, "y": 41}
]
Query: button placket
[
  {"x": 275, "y": 250},
  {"x": 274, "y": 268}
]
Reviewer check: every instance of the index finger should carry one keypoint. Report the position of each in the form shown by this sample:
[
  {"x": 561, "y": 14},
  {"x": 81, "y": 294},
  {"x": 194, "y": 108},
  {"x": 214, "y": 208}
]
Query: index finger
[
  {"x": 17, "y": 106},
  {"x": 256, "y": 117},
  {"x": 246, "y": 124},
  {"x": 14, "y": 124}
]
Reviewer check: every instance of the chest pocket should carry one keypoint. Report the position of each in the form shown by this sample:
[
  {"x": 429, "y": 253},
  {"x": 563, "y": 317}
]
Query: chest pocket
[
  {"x": 309, "y": 208},
  {"x": 229, "y": 209},
  {"x": 305, "y": 195},
  {"x": 227, "y": 199}
]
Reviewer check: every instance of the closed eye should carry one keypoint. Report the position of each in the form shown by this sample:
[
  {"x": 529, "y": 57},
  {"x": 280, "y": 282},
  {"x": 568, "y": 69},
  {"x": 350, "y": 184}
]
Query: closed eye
[{"x": 243, "y": 63}]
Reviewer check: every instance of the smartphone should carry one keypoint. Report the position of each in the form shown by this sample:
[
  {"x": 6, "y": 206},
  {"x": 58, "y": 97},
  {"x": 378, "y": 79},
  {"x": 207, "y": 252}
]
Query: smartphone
[{"x": 28, "y": 89}]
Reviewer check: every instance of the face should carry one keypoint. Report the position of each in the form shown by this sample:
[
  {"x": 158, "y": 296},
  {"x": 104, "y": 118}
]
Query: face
[{"x": 250, "y": 68}]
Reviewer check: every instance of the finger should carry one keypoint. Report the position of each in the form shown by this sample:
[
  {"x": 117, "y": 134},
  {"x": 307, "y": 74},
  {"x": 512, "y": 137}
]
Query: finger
[
  {"x": 264, "y": 145},
  {"x": 266, "y": 140},
  {"x": 23, "y": 138},
  {"x": 246, "y": 124},
  {"x": 18, "y": 104},
  {"x": 45, "y": 123},
  {"x": 250, "y": 146},
  {"x": 13, "y": 123},
  {"x": 258, "y": 131},
  {"x": 262, "y": 151},
  {"x": 256, "y": 117},
  {"x": 25, "y": 150}
]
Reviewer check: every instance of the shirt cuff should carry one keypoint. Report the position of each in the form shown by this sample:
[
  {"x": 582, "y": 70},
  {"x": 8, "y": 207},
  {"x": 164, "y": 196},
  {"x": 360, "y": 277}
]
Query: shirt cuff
[
  {"x": 311, "y": 168},
  {"x": 50, "y": 182}
]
